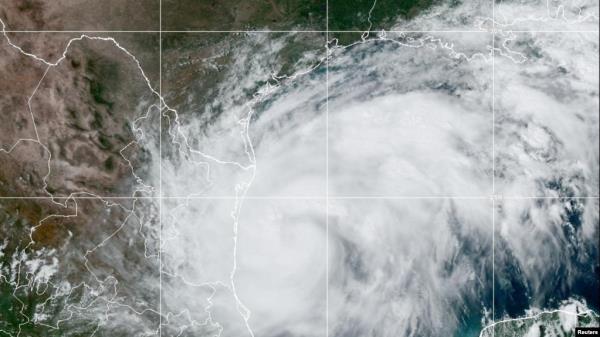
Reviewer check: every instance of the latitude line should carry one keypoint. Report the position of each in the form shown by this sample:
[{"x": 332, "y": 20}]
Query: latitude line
[
  {"x": 342, "y": 197},
  {"x": 298, "y": 31},
  {"x": 327, "y": 197}
]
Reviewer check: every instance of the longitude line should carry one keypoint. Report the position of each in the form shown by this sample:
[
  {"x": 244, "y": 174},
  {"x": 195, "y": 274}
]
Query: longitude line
[
  {"x": 160, "y": 200},
  {"x": 327, "y": 31},
  {"x": 493, "y": 165},
  {"x": 327, "y": 169}
]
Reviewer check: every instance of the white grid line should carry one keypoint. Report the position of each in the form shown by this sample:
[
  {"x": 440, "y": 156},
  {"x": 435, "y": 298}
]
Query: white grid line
[
  {"x": 293, "y": 31},
  {"x": 493, "y": 166},
  {"x": 160, "y": 112},
  {"x": 330, "y": 197},
  {"x": 327, "y": 169},
  {"x": 327, "y": 197}
]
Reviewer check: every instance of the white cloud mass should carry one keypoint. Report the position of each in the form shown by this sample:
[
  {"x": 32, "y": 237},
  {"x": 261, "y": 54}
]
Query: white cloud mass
[
  {"x": 375, "y": 209},
  {"x": 408, "y": 184}
]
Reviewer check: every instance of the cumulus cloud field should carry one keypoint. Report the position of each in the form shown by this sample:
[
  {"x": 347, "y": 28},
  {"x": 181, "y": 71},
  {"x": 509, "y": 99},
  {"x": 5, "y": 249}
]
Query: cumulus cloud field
[
  {"x": 433, "y": 183},
  {"x": 425, "y": 184}
]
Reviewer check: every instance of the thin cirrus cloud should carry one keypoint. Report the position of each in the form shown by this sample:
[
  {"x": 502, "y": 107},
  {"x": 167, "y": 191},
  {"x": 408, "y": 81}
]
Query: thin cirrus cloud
[{"x": 407, "y": 116}]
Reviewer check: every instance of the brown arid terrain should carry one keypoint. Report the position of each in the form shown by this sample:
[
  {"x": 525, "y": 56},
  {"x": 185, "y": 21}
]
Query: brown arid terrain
[
  {"x": 80, "y": 15},
  {"x": 84, "y": 104},
  {"x": 78, "y": 110},
  {"x": 78, "y": 154},
  {"x": 80, "y": 235},
  {"x": 51, "y": 46},
  {"x": 298, "y": 168},
  {"x": 20, "y": 77}
]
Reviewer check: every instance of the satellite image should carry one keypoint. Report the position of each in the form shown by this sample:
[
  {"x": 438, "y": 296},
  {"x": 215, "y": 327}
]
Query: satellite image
[{"x": 299, "y": 168}]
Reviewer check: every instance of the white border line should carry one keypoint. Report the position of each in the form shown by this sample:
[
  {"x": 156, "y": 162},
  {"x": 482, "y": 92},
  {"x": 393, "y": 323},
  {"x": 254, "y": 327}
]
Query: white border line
[{"x": 327, "y": 196}]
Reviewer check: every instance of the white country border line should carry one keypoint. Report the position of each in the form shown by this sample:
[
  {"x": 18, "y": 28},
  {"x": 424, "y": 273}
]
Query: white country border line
[{"x": 545, "y": 312}]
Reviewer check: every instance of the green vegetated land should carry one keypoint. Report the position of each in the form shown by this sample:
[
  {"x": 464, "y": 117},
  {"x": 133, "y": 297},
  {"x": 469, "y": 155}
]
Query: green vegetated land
[
  {"x": 18, "y": 305},
  {"x": 353, "y": 15},
  {"x": 287, "y": 14},
  {"x": 243, "y": 15},
  {"x": 544, "y": 325}
]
